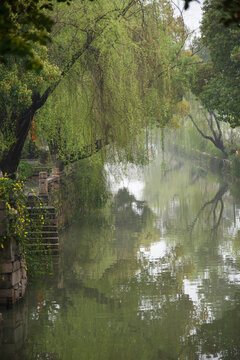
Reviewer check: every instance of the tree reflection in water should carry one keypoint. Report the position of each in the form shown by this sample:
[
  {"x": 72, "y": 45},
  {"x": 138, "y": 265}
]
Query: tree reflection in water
[
  {"x": 213, "y": 205},
  {"x": 134, "y": 285}
]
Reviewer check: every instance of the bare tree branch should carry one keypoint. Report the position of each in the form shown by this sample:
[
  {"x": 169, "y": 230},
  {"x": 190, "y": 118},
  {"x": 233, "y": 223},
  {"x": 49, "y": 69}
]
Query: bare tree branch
[{"x": 216, "y": 139}]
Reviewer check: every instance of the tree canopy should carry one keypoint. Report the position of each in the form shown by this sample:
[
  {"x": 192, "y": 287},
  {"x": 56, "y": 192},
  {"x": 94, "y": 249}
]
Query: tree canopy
[
  {"x": 23, "y": 24},
  {"x": 217, "y": 82},
  {"x": 111, "y": 70}
]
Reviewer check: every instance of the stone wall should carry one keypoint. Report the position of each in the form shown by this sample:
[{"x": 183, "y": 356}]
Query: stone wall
[{"x": 13, "y": 276}]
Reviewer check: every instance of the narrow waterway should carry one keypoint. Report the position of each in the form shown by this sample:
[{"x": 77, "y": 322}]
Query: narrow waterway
[{"x": 153, "y": 275}]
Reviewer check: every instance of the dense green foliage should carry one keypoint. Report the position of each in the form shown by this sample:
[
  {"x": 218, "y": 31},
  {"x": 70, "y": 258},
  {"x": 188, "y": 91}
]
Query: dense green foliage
[
  {"x": 217, "y": 83},
  {"x": 112, "y": 70},
  {"x": 25, "y": 170},
  {"x": 22, "y": 24},
  {"x": 123, "y": 82},
  {"x": 83, "y": 189},
  {"x": 27, "y": 22},
  {"x": 18, "y": 86}
]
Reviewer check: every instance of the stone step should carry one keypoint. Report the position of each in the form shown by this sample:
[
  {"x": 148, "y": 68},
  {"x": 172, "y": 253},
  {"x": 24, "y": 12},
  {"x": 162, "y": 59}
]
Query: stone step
[
  {"x": 33, "y": 200},
  {"x": 44, "y": 234},
  {"x": 47, "y": 245},
  {"x": 45, "y": 216},
  {"x": 46, "y": 249},
  {"x": 41, "y": 210},
  {"x": 47, "y": 221},
  {"x": 39, "y": 241},
  {"x": 46, "y": 228}
]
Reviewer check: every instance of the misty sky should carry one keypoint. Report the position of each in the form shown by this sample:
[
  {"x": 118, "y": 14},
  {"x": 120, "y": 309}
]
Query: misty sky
[{"x": 193, "y": 15}]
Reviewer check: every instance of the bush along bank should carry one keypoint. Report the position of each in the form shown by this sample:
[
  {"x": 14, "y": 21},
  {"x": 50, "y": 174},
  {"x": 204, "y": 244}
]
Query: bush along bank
[{"x": 17, "y": 257}]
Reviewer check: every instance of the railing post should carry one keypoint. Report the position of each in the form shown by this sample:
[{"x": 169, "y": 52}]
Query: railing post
[
  {"x": 56, "y": 175},
  {"x": 55, "y": 171},
  {"x": 43, "y": 184}
]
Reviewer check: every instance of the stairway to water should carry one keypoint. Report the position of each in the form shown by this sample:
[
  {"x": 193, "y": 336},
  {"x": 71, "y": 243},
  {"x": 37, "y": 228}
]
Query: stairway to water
[{"x": 45, "y": 236}]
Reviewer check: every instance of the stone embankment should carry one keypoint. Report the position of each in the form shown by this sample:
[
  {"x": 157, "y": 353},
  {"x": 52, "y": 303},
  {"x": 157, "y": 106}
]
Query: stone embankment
[{"x": 13, "y": 274}]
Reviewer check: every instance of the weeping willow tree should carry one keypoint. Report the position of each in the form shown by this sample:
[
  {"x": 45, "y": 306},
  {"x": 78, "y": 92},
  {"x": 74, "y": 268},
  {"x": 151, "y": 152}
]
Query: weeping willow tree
[
  {"x": 127, "y": 79},
  {"x": 116, "y": 70}
]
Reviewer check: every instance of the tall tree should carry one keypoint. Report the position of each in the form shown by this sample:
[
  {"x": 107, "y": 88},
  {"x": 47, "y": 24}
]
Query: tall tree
[
  {"x": 115, "y": 64},
  {"x": 217, "y": 83}
]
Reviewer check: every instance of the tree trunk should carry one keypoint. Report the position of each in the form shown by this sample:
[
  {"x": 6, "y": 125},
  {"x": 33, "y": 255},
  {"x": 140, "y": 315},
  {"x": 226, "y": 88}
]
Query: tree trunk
[{"x": 11, "y": 157}]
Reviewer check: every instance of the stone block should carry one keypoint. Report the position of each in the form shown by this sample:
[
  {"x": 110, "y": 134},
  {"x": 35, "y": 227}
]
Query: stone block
[
  {"x": 43, "y": 184},
  {"x": 24, "y": 273},
  {"x": 55, "y": 171},
  {"x": 6, "y": 293},
  {"x": 9, "y": 252},
  {"x": 17, "y": 293},
  {"x": 9, "y": 280},
  {"x": 23, "y": 287},
  {"x": 9, "y": 267},
  {"x": 3, "y": 301},
  {"x": 13, "y": 281},
  {"x": 5, "y": 281},
  {"x": 16, "y": 277}
]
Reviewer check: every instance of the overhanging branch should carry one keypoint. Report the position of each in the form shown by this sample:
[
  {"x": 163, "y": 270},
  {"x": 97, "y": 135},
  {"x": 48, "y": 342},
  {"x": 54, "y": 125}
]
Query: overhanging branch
[
  {"x": 216, "y": 139},
  {"x": 87, "y": 151}
]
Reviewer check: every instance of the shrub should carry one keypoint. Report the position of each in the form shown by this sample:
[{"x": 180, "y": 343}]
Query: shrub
[
  {"x": 17, "y": 223},
  {"x": 25, "y": 170}
]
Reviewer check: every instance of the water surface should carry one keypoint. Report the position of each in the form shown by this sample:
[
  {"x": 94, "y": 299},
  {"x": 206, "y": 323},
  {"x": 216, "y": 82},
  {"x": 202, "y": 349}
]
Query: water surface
[{"x": 153, "y": 275}]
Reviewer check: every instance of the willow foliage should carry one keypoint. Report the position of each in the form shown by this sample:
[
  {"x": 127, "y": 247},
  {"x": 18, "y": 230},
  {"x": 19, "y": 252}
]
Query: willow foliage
[{"x": 123, "y": 83}]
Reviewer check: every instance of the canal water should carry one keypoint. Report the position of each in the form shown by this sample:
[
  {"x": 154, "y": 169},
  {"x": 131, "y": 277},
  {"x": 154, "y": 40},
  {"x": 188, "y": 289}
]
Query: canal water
[{"x": 155, "y": 275}]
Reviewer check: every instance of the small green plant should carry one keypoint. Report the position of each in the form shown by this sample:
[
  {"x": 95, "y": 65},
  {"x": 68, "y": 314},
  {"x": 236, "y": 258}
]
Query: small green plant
[
  {"x": 13, "y": 201},
  {"x": 25, "y": 170}
]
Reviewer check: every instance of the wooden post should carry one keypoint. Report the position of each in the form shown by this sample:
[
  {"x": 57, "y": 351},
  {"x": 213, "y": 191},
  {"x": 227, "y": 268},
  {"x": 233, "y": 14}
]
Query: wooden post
[{"x": 43, "y": 184}]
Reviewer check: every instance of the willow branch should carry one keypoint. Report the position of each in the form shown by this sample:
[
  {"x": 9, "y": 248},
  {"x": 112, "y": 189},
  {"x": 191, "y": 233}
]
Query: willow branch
[{"x": 87, "y": 151}]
